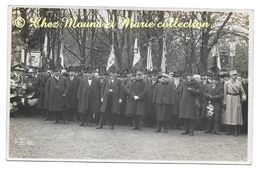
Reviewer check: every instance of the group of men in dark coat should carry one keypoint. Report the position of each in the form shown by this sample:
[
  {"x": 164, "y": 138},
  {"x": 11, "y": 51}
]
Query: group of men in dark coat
[{"x": 163, "y": 100}]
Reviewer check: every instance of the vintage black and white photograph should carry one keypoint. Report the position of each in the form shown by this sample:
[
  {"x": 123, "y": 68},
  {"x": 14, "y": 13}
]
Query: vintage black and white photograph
[{"x": 129, "y": 85}]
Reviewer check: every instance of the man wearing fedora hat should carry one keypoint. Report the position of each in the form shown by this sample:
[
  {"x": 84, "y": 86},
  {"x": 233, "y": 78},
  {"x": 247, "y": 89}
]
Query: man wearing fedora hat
[{"x": 233, "y": 95}]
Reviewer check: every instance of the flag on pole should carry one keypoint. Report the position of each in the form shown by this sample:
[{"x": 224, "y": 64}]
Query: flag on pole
[
  {"x": 111, "y": 59},
  {"x": 137, "y": 55},
  {"x": 149, "y": 63},
  {"x": 61, "y": 56},
  {"x": 163, "y": 64},
  {"x": 45, "y": 49},
  {"x": 216, "y": 63},
  {"x": 218, "y": 58}
]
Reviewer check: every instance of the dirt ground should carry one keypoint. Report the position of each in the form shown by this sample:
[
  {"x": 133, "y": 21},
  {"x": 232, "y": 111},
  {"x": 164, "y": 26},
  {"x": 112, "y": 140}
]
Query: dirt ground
[{"x": 36, "y": 138}]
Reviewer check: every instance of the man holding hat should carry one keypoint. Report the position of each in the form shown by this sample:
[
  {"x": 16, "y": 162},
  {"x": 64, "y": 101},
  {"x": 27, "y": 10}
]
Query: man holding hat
[{"x": 233, "y": 95}]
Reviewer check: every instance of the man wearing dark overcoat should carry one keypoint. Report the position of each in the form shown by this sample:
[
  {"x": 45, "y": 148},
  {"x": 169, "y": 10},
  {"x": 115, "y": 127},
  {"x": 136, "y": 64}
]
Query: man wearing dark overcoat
[
  {"x": 56, "y": 90},
  {"x": 174, "y": 107},
  {"x": 162, "y": 99},
  {"x": 214, "y": 94},
  {"x": 89, "y": 97},
  {"x": 136, "y": 94},
  {"x": 71, "y": 98},
  {"x": 150, "y": 107},
  {"x": 188, "y": 103},
  {"x": 111, "y": 98}
]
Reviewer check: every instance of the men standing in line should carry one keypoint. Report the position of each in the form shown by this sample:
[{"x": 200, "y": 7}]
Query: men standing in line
[
  {"x": 214, "y": 96},
  {"x": 89, "y": 97},
  {"x": 56, "y": 90},
  {"x": 188, "y": 93},
  {"x": 111, "y": 98},
  {"x": 71, "y": 99},
  {"x": 233, "y": 95},
  {"x": 136, "y": 96}
]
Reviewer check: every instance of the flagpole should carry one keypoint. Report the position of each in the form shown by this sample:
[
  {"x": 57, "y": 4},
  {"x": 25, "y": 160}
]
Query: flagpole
[{"x": 163, "y": 62}]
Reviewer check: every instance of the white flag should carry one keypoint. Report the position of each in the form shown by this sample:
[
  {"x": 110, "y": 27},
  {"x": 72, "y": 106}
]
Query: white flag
[
  {"x": 137, "y": 55},
  {"x": 149, "y": 63},
  {"x": 61, "y": 56},
  {"x": 45, "y": 49},
  {"x": 163, "y": 64},
  {"x": 218, "y": 59},
  {"x": 111, "y": 59}
]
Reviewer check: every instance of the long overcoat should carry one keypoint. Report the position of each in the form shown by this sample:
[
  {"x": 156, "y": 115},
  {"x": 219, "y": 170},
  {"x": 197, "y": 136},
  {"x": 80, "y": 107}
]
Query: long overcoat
[
  {"x": 150, "y": 107},
  {"x": 187, "y": 98},
  {"x": 162, "y": 98},
  {"x": 174, "y": 92},
  {"x": 117, "y": 93},
  {"x": 71, "y": 98},
  {"x": 56, "y": 91},
  {"x": 137, "y": 107},
  {"x": 233, "y": 113},
  {"x": 89, "y": 96}
]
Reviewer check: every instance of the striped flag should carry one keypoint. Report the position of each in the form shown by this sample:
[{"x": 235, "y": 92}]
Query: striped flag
[
  {"x": 149, "y": 63},
  {"x": 137, "y": 55},
  {"x": 163, "y": 64},
  {"x": 111, "y": 59}
]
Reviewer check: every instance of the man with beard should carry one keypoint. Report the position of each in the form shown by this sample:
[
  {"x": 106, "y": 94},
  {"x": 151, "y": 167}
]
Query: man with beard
[
  {"x": 56, "y": 90},
  {"x": 111, "y": 98},
  {"x": 189, "y": 91},
  {"x": 89, "y": 97},
  {"x": 136, "y": 94}
]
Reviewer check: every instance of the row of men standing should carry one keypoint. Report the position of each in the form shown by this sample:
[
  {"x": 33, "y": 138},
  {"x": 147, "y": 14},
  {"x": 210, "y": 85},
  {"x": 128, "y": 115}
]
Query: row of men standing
[{"x": 88, "y": 95}]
